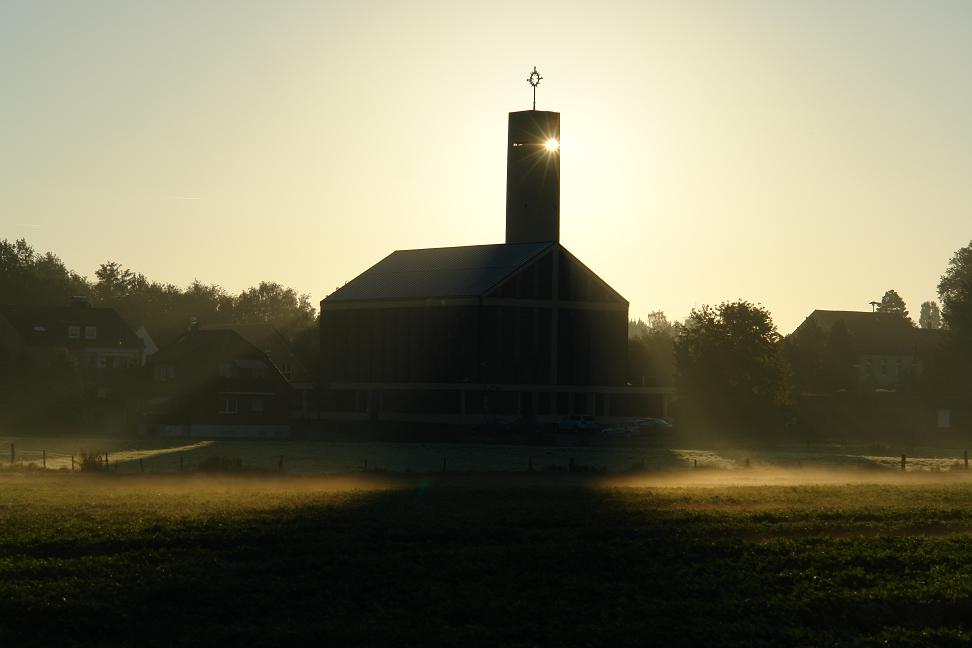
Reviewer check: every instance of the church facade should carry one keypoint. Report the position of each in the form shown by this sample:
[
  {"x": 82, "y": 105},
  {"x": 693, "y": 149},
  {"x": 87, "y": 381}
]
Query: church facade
[{"x": 517, "y": 331}]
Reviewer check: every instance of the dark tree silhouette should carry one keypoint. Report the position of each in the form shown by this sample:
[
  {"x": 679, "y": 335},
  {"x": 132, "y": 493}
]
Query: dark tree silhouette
[
  {"x": 27, "y": 277},
  {"x": 731, "y": 373},
  {"x": 931, "y": 315},
  {"x": 651, "y": 351},
  {"x": 892, "y": 302},
  {"x": 114, "y": 281},
  {"x": 955, "y": 293}
]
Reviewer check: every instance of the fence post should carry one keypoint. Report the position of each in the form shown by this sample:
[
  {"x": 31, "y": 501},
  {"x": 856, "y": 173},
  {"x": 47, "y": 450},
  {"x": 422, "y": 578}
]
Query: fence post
[
  {"x": 965, "y": 456},
  {"x": 106, "y": 460},
  {"x": 280, "y": 464},
  {"x": 72, "y": 463},
  {"x": 695, "y": 463},
  {"x": 11, "y": 454},
  {"x": 904, "y": 462},
  {"x": 44, "y": 460},
  {"x": 141, "y": 465}
]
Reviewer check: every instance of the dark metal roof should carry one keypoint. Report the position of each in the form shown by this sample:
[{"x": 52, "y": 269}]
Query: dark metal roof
[
  {"x": 468, "y": 271},
  {"x": 47, "y": 326}
]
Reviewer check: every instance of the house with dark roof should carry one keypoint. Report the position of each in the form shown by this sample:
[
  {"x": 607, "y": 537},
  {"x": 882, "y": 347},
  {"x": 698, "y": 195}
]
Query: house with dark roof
[
  {"x": 82, "y": 360},
  {"x": 520, "y": 330},
  {"x": 214, "y": 383},
  {"x": 886, "y": 347}
]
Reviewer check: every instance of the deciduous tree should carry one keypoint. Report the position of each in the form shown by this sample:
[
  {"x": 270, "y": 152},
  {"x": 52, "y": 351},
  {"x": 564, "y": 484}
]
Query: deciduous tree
[
  {"x": 931, "y": 315},
  {"x": 732, "y": 377},
  {"x": 651, "y": 351},
  {"x": 955, "y": 293}
]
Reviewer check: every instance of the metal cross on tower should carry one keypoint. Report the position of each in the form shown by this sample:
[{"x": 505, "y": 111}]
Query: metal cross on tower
[{"x": 534, "y": 80}]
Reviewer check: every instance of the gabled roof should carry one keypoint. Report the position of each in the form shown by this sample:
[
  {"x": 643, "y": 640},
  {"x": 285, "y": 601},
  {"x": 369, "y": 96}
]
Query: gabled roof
[
  {"x": 213, "y": 344},
  {"x": 468, "y": 271},
  {"x": 47, "y": 326},
  {"x": 878, "y": 333},
  {"x": 197, "y": 353},
  {"x": 268, "y": 339}
]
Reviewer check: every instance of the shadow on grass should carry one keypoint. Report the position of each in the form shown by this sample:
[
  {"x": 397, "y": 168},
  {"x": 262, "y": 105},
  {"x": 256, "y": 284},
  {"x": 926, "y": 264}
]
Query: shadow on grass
[{"x": 441, "y": 566}]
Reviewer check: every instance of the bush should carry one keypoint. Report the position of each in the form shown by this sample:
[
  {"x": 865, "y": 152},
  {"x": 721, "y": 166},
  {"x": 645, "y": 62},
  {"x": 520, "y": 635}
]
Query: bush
[{"x": 91, "y": 461}]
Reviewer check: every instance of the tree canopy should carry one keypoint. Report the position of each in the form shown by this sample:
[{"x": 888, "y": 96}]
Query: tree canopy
[
  {"x": 731, "y": 373},
  {"x": 27, "y": 277},
  {"x": 955, "y": 293},
  {"x": 651, "y": 351},
  {"x": 931, "y": 315},
  {"x": 892, "y": 302}
]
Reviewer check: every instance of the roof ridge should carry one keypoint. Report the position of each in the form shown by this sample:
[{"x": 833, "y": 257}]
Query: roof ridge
[{"x": 464, "y": 247}]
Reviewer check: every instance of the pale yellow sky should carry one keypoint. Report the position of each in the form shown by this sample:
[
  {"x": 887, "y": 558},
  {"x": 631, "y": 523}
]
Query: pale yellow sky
[{"x": 802, "y": 155}]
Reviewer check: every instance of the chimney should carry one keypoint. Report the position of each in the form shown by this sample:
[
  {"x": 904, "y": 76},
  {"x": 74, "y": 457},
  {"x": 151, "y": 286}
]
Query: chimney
[
  {"x": 193, "y": 326},
  {"x": 533, "y": 177}
]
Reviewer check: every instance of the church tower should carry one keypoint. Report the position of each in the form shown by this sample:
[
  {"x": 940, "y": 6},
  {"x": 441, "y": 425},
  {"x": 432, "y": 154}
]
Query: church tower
[{"x": 533, "y": 175}]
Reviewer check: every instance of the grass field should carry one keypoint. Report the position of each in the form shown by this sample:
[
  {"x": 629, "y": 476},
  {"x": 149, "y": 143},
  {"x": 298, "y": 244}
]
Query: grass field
[{"x": 744, "y": 558}]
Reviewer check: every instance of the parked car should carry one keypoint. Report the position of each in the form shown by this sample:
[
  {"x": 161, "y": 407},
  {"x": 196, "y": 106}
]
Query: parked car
[
  {"x": 653, "y": 425},
  {"x": 577, "y": 423},
  {"x": 637, "y": 427}
]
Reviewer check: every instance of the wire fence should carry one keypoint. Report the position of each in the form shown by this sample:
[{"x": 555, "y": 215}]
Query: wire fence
[{"x": 320, "y": 458}]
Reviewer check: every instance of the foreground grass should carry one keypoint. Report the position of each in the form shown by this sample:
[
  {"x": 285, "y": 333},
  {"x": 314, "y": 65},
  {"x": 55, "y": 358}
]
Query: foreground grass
[{"x": 487, "y": 561}]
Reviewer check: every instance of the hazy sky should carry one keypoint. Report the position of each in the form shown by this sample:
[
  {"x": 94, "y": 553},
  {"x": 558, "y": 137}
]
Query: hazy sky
[{"x": 802, "y": 155}]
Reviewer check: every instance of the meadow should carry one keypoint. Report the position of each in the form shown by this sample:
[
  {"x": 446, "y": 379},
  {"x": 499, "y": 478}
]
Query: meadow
[{"x": 760, "y": 557}]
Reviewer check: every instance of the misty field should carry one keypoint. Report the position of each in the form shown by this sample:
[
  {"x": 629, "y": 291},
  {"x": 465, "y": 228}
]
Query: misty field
[
  {"x": 487, "y": 560},
  {"x": 158, "y": 455}
]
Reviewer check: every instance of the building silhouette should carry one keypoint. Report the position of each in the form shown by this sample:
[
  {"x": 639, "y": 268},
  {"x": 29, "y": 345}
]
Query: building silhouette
[
  {"x": 68, "y": 365},
  {"x": 884, "y": 349},
  {"x": 215, "y": 383},
  {"x": 520, "y": 330}
]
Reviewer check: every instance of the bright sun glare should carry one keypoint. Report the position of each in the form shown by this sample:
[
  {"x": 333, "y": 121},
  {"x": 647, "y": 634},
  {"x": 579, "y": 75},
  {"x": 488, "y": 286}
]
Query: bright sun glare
[{"x": 552, "y": 144}]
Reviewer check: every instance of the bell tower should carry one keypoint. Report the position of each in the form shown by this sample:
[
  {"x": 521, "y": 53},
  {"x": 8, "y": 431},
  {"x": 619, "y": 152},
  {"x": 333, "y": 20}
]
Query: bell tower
[{"x": 533, "y": 174}]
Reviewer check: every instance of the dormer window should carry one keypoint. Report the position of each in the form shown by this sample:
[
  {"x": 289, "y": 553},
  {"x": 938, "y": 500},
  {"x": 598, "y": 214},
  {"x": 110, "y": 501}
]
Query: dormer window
[
  {"x": 74, "y": 332},
  {"x": 90, "y": 332}
]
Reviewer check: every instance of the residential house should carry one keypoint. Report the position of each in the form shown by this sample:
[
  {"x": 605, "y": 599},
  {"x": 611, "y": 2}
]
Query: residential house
[
  {"x": 886, "y": 347},
  {"x": 81, "y": 360},
  {"x": 214, "y": 383}
]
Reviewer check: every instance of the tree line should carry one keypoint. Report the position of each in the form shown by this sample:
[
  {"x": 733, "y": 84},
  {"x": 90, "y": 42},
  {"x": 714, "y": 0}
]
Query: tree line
[{"x": 28, "y": 277}]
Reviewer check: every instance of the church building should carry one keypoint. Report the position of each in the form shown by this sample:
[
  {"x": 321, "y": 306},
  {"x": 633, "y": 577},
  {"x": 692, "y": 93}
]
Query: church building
[{"x": 514, "y": 331}]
